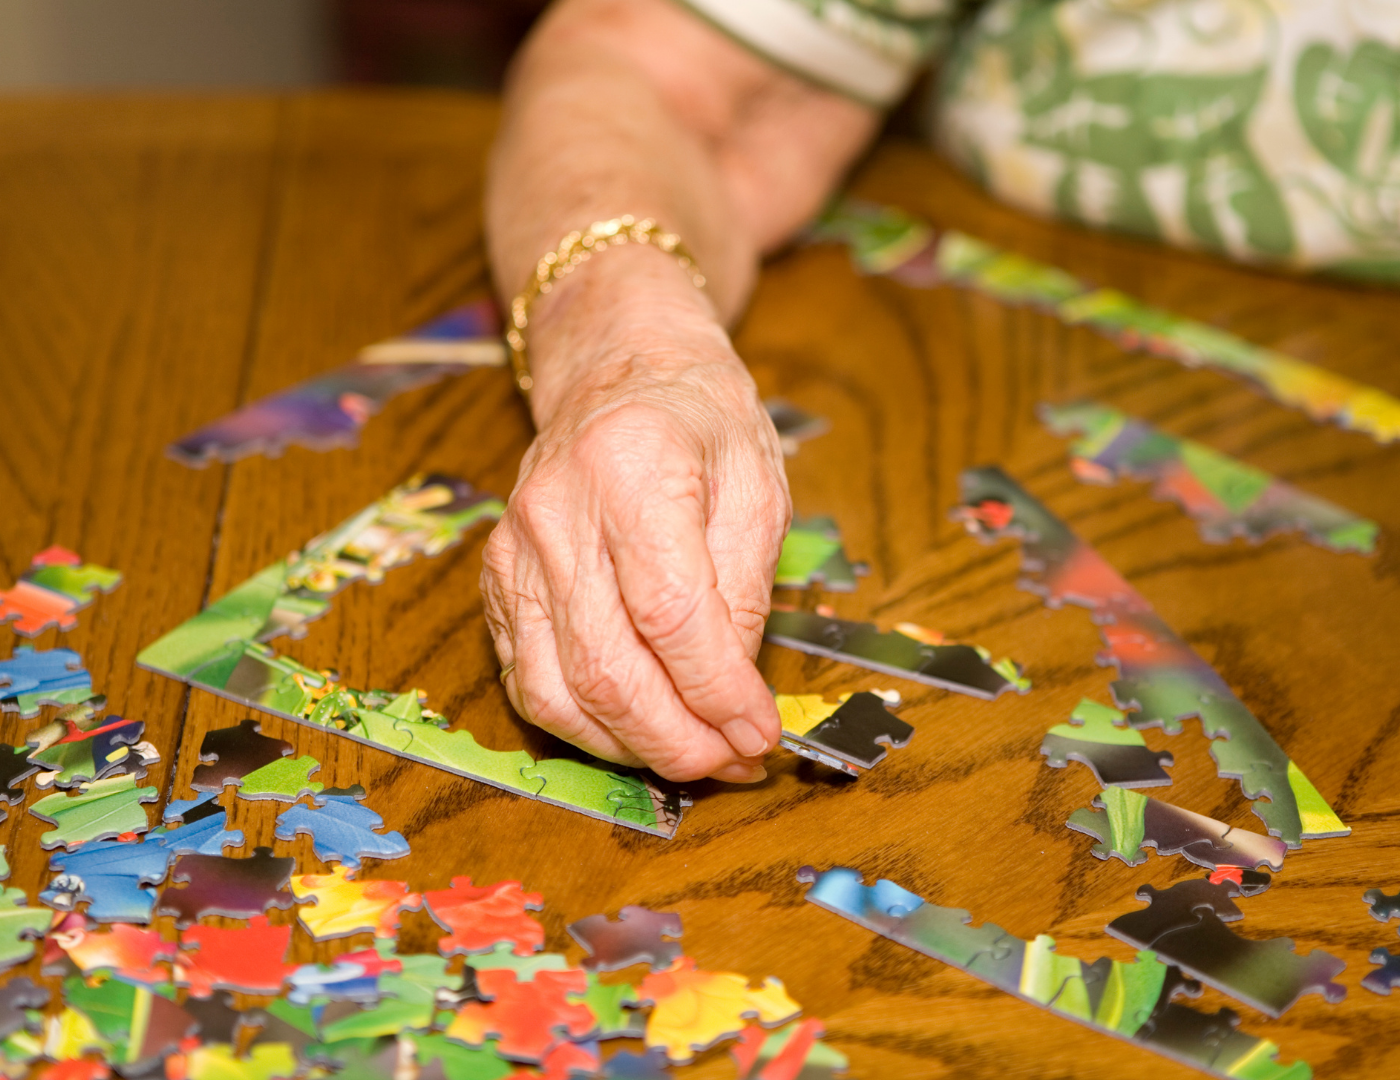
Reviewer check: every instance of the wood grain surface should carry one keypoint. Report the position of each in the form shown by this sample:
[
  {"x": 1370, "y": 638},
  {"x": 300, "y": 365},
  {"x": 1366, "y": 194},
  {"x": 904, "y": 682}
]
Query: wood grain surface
[{"x": 164, "y": 260}]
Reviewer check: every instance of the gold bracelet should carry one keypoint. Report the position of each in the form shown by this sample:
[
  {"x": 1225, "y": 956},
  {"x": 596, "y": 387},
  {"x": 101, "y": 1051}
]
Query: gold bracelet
[{"x": 578, "y": 247}]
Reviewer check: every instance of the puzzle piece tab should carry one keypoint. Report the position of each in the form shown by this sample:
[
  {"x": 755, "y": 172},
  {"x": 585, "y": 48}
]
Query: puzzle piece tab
[
  {"x": 1117, "y": 755},
  {"x": 18, "y": 924},
  {"x": 859, "y": 730},
  {"x": 57, "y": 585},
  {"x": 1126, "y": 824},
  {"x": 637, "y": 936},
  {"x": 285, "y": 780},
  {"x": 1383, "y": 907}
]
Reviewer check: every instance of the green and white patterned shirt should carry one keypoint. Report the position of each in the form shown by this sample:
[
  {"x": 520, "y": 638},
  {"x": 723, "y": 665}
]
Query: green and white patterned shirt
[{"x": 1264, "y": 130}]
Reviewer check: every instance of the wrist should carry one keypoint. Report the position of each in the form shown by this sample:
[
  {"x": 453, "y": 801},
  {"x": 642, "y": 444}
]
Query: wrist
[{"x": 629, "y": 314}]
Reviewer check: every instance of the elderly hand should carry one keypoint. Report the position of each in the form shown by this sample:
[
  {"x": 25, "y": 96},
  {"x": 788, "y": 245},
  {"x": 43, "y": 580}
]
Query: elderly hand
[{"x": 630, "y": 578}]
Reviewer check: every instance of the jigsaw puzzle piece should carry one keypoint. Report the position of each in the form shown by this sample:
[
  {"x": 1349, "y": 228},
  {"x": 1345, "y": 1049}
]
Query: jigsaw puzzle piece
[
  {"x": 693, "y": 1010},
  {"x": 795, "y": 426},
  {"x": 342, "y": 831},
  {"x": 201, "y": 827},
  {"x": 102, "y": 809},
  {"x": 15, "y": 767},
  {"x": 285, "y": 780},
  {"x": 129, "y": 953},
  {"x": 17, "y": 924},
  {"x": 459, "y": 752},
  {"x": 613, "y": 1006},
  {"x": 328, "y": 410},
  {"x": 1117, "y": 755},
  {"x": 140, "y": 1027},
  {"x": 71, "y": 752},
  {"x": 228, "y": 754},
  {"x": 353, "y": 976},
  {"x": 1227, "y": 497},
  {"x": 859, "y": 730},
  {"x": 439, "y": 1058},
  {"x": 29, "y": 679},
  {"x": 1185, "y": 926},
  {"x": 233, "y": 888},
  {"x": 248, "y": 959},
  {"x": 964, "y": 669},
  {"x": 812, "y": 554},
  {"x": 337, "y": 905},
  {"x": 528, "y": 1019},
  {"x": 57, "y": 585},
  {"x": 1383, "y": 908},
  {"x": 481, "y": 917},
  {"x": 793, "y": 1052},
  {"x": 19, "y": 1000},
  {"x": 111, "y": 876},
  {"x": 1126, "y": 824},
  {"x": 638, "y": 935},
  {"x": 1386, "y": 975},
  {"x": 606, "y": 791},
  {"x": 264, "y": 1061}
]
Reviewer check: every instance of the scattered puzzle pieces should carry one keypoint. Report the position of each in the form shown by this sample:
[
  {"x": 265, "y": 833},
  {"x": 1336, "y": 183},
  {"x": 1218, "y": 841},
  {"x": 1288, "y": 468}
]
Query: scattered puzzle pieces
[
  {"x": 1130, "y": 1000},
  {"x": 229, "y": 754},
  {"x": 1126, "y": 824},
  {"x": 637, "y": 936},
  {"x": 234, "y": 888},
  {"x": 692, "y": 1010},
  {"x": 57, "y": 585},
  {"x": 1117, "y": 755},
  {"x": 336, "y": 905},
  {"x": 246, "y": 959},
  {"x": 965, "y": 669},
  {"x": 482, "y": 917},
  {"x": 342, "y": 831},
  {"x": 1160, "y": 677},
  {"x": 328, "y": 410},
  {"x": 99, "y": 810},
  {"x": 1383, "y": 907},
  {"x": 29, "y": 679},
  {"x": 1185, "y": 925},
  {"x": 813, "y": 554},
  {"x": 1384, "y": 977},
  {"x": 858, "y": 730},
  {"x": 17, "y": 923},
  {"x": 1227, "y": 497}
]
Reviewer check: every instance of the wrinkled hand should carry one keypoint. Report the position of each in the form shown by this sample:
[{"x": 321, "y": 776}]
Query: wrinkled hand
[{"x": 631, "y": 576}]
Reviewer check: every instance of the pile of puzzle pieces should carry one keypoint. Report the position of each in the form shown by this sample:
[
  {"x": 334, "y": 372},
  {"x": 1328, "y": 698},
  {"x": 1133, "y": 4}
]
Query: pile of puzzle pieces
[{"x": 119, "y": 994}]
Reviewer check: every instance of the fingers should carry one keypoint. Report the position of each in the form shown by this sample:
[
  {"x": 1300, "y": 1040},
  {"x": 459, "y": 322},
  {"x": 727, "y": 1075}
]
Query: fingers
[{"x": 669, "y": 585}]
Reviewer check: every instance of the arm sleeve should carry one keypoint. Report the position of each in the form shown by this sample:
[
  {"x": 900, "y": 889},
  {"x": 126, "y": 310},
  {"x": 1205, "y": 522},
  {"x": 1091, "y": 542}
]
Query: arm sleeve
[{"x": 867, "y": 49}]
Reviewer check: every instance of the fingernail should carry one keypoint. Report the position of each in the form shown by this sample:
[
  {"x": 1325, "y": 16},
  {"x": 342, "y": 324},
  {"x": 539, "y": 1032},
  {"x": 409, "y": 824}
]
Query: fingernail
[
  {"x": 739, "y": 773},
  {"x": 746, "y": 739}
]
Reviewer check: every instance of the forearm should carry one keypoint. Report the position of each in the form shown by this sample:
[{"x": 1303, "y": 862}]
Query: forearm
[{"x": 633, "y": 106}]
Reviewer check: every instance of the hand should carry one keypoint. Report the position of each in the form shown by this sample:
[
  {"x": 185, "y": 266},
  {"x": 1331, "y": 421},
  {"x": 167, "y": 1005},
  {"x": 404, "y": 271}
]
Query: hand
[{"x": 631, "y": 576}]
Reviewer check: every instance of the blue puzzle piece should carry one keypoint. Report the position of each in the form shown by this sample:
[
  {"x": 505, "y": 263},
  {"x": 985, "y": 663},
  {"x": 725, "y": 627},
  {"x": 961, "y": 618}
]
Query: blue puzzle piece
[
  {"x": 109, "y": 874},
  {"x": 341, "y": 981},
  {"x": 29, "y": 679},
  {"x": 204, "y": 830},
  {"x": 342, "y": 831},
  {"x": 629, "y": 1066},
  {"x": 111, "y": 899}
]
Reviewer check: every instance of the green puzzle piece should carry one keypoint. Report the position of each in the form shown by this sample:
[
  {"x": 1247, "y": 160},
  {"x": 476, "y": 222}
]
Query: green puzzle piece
[
  {"x": 1098, "y": 723},
  {"x": 15, "y": 920},
  {"x": 409, "y": 999},
  {"x": 812, "y": 552},
  {"x": 1120, "y": 825},
  {"x": 99, "y": 810},
  {"x": 609, "y": 1002},
  {"x": 525, "y": 967},
  {"x": 460, "y": 752},
  {"x": 460, "y": 1062},
  {"x": 286, "y": 780},
  {"x": 4, "y": 864},
  {"x": 75, "y": 582}
]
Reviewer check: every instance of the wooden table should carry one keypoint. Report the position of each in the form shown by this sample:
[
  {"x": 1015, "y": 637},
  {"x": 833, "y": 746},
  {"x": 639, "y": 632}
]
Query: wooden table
[{"x": 163, "y": 260}]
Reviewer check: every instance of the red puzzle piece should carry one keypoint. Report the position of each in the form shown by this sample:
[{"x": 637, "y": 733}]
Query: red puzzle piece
[
  {"x": 247, "y": 959},
  {"x": 528, "y": 1018},
  {"x": 127, "y": 951},
  {"x": 480, "y": 917}
]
